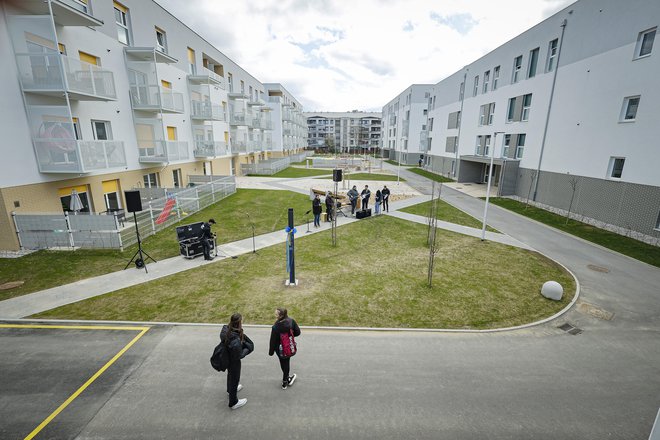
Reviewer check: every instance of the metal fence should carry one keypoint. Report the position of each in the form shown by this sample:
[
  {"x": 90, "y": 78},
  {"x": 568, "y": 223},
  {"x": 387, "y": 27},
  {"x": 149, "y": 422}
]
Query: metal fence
[
  {"x": 266, "y": 167},
  {"x": 84, "y": 230}
]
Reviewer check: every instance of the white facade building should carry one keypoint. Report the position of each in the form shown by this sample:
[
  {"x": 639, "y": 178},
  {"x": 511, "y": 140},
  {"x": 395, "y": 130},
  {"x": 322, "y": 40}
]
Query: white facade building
[
  {"x": 344, "y": 131},
  {"x": 405, "y": 134},
  {"x": 103, "y": 96},
  {"x": 289, "y": 125},
  {"x": 569, "y": 109}
]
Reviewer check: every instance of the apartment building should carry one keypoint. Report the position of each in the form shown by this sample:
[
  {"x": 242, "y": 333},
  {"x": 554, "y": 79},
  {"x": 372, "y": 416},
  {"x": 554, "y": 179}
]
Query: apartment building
[
  {"x": 346, "y": 132},
  {"x": 568, "y": 110},
  {"x": 406, "y": 134},
  {"x": 290, "y": 126},
  {"x": 102, "y": 96}
]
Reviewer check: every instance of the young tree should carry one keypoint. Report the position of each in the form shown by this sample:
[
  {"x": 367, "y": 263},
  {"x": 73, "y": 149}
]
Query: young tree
[{"x": 573, "y": 182}]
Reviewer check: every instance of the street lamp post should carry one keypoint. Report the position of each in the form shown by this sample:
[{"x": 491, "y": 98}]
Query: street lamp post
[{"x": 490, "y": 177}]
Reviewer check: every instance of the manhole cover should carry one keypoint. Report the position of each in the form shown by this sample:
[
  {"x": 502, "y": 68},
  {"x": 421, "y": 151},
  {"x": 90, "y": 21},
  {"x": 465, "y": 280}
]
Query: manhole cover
[
  {"x": 568, "y": 328},
  {"x": 598, "y": 268},
  {"x": 11, "y": 285},
  {"x": 596, "y": 312}
]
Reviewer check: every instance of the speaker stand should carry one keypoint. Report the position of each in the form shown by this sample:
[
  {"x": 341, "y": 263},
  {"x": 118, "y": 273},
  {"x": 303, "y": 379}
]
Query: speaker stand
[{"x": 140, "y": 261}]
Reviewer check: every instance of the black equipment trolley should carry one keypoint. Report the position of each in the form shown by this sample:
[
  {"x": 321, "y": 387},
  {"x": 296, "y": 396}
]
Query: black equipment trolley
[{"x": 190, "y": 240}]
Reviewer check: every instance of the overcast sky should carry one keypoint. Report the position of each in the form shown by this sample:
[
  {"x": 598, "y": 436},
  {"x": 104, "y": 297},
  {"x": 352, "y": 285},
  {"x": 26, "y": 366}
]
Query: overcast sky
[{"x": 342, "y": 55}]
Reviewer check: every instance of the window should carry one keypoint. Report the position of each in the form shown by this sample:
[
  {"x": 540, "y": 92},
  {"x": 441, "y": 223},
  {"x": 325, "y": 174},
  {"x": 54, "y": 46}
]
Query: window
[
  {"x": 161, "y": 41},
  {"x": 454, "y": 120},
  {"x": 176, "y": 177},
  {"x": 65, "y": 198},
  {"x": 486, "y": 113},
  {"x": 615, "y": 168},
  {"x": 150, "y": 180},
  {"x": 517, "y": 67},
  {"x": 451, "y": 143},
  {"x": 520, "y": 145},
  {"x": 486, "y": 80},
  {"x": 476, "y": 86},
  {"x": 645, "y": 43},
  {"x": 430, "y": 124},
  {"x": 526, "y": 105},
  {"x": 460, "y": 91},
  {"x": 496, "y": 76},
  {"x": 487, "y": 145},
  {"x": 102, "y": 131},
  {"x": 192, "y": 69},
  {"x": 111, "y": 195},
  {"x": 483, "y": 145},
  {"x": 230, "y": 81},
  {"x": 533, "y": 61},
  {"x": 552, "y": 55},
  {"x": 629, "y": 110},
  {"x": 510, "y": 114},
  {"x": 88, "y": 58},
  {"x": 121, "y": 20},
  {"x": 657, "y": 223},
  {"x": 242, "y": 87},
  {"x": 507, "y": 144}
]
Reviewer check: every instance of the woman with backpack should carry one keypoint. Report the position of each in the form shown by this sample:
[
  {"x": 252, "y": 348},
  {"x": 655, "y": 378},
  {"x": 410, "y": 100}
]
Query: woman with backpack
[
  {"x": 282, "y": 342},
  {"x": 238, "y": 346}
]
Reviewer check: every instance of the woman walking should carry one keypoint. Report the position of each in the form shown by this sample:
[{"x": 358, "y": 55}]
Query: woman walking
[
  {"x": 316, "y": 210},
  {"x": 283, "y": 326},
  {"x": 238, "y": 346}
]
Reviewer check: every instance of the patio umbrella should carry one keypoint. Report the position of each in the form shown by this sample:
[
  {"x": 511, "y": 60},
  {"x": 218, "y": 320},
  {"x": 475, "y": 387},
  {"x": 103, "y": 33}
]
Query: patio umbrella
[{"x": 75, "y": 204}]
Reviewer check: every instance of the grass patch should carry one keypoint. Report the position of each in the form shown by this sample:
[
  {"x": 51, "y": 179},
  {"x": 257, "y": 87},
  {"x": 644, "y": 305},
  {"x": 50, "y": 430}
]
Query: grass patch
[
  {"x": 296, "y": 172},
  {"x": 448, "y": 213},
  {"x": 45, "y": 269},
  {"x": 619, "y": 243},
  {"x": 395, "y": 163},
  {"x": 430, "y": 175},
  {"x": 472, "y": 288}
]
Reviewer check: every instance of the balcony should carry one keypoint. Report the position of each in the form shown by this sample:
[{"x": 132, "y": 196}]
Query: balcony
[
  {"x": 206, "y": 149},
  {"x": 239, "y": 118},
  {"x": 65, "y": 12},
  {"x": 151, "y": 151},
  {"x": 206, "y": 111},
  {"x": 52, "y": 73},
  {"x": 59, "y": 155},
  {"x": 157, "y": 99},
  {"x": 205, "y": 76}
]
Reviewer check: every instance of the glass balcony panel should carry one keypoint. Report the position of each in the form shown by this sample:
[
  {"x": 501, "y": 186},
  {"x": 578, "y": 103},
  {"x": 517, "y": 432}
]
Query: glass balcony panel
[
  {"x": 205, "y": 110},
  {"x": 100, "y": 155},
  {"x": 205, "y": 148},
  {"x": 151, "y": 151},
  {"x": 40, "y": 71},
  {"x": 89, "y": 79},
  {"x": 156, "y": 98}
]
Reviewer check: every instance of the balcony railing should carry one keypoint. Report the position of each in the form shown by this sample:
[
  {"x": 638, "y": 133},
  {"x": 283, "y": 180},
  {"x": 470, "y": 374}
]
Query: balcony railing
[
  {"x": 156, "y": 99},
  {"x": 210, "y": 149},
  {"x": 162, "y": 151},
  {"x": 205, "y": 76},
  {"x": 239, "y": 118},
  {"x": 57, "y": 155},
  {"x": 52, "y": 73},
  {"x": 206, "y": 111}
]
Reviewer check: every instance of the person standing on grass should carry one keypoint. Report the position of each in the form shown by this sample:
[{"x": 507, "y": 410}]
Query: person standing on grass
[
  {"x": 238, "y": 346},
  {"x": 378, "y": 200},
  {"x": 283, "y": 325},
  {"x": 386, "y": 199},
  {"x": 316, "y": 210},
  {"x": 366, "y": 193}
]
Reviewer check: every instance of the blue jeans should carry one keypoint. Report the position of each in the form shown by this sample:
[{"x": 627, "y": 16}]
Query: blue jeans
[
  {"x": 377, "y": 207},
  {"x": 317, "y": 219}
]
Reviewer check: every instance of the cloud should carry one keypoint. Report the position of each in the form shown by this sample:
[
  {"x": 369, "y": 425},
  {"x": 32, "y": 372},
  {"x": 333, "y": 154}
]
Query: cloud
[
  {"x": 335, "y": 57},
  {"x": 461, "y": 23}
]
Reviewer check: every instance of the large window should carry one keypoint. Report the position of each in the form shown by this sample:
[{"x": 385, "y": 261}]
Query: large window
[
  {"x": 629, "y": 109},
  {"x": 520, "y": 145},
  {"x": 453, "y": 120},
  {"x": 150, "y": 180},
  {"x": 506, "y": 145},
  {"x": 161, "y": 40},
  {"x": 102, "y": 130},
  {"x": 486, "y": 81},
  {"x": 533, "y": 61},
  {"x": 476, "y": 86},
  {"x": 615, "y": 168},
  {"x": 486, "y": 113},
  {"x": 526, "y": 105},
  {"x": 517, "y": 67},
  {"x": 552, "y": 55},
  {"x": 122, "y": 23},
  {"x": 496, "y": 77},
  {"x": 176, "y": 177},
  {"x": 192, "y": 68},
  {"x": 644, "y": 45},
  {"x": 519, "y": 108}
]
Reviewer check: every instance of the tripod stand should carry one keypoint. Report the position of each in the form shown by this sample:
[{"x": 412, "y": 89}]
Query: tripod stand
[
  {"x": 307, "y": 221},
  {"x": 139, "y": 262}
]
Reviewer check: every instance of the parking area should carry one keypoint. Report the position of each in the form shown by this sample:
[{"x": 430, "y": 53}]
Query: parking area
[{"x": 54, "y": 379}]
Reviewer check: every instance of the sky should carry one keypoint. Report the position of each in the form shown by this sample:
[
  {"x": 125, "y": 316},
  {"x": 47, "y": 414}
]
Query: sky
[{"x": 343, "y": 55}]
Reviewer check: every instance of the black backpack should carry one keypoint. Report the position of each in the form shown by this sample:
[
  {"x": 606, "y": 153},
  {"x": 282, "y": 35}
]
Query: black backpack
[{"x": 220, "y": 357}]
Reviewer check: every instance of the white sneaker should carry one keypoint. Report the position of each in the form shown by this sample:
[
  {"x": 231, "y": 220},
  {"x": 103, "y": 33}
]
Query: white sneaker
[
  {"x": 241, "y": 402},
  {"x": 240, "y": 387},
  {"x": 292, "y": 379}
]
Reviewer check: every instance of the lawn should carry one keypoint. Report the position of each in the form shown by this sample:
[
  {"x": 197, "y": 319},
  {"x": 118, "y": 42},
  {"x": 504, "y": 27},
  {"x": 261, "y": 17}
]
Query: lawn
[
  {"x": 627, "y": 246},
  {"x": 371, "y": 176},
  {"x": 361, "y": 282},
  {"x": 293, "y": 172},
  {"x": 45, "y": 269},
  {"x": 430, "y": 175},
  {"x": 448, "y": 213}
]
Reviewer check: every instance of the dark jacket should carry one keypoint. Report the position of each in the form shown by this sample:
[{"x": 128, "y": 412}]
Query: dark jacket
[
  {"x": 329, "y": 203},
  {"x": 352, "y": 194},
  {"x": 365, "y": 194},
  {"x": 206, "y": 231},
  {"x": 385, "y": 192},
  {"x": 379, "y": 197},
  {"x": 282, "y": 326},
  {"x": 237, "y": 350},
  {"x": 316, "y": 206}
]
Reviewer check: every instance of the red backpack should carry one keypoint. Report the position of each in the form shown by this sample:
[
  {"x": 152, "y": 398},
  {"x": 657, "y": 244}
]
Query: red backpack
[{"x": 287, "y": 344}]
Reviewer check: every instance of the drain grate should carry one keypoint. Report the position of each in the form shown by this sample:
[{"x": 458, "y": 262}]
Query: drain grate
[{"x": 568, "y": 328}]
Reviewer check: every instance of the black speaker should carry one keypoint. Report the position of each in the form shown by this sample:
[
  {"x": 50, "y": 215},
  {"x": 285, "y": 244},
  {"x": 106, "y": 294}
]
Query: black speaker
[
  {"x": 133, "y": 201},
  {"x": 336, "y": 175}
]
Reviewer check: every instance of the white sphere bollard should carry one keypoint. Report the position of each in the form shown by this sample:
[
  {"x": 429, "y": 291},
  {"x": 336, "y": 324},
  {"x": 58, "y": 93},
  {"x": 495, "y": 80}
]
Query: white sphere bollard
[{"x": 552, "y": 290}]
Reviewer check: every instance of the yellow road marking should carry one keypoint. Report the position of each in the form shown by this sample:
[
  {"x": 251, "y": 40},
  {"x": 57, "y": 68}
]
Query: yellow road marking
[{"x": 96, "y": 375}]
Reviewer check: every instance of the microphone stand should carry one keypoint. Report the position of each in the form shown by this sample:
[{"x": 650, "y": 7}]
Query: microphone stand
[
  {"x": 254, "y": 248},
  {"x": 307, "y": 219}
]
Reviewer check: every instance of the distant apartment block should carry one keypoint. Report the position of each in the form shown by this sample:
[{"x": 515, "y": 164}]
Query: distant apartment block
[{"x": 344, "y": 131}]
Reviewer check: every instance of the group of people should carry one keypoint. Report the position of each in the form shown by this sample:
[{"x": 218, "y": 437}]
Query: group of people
[
  {"x": 382, "y": 199},
  {"x": 240, "y": 345}
]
